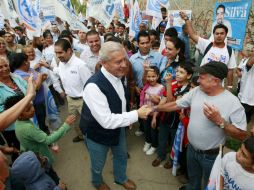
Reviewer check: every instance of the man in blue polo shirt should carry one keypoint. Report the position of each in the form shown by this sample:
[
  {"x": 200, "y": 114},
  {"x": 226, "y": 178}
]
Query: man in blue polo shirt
[{"x": 144, "y": 54}]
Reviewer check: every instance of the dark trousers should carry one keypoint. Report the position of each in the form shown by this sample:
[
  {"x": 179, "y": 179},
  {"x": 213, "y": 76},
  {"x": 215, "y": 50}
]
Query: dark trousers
[
  {"x": 40, "y": 112},
  {"x": 151, "y": 134},
  {"x": 58, "y": 99},
  {"x": 166, "y": 137}
]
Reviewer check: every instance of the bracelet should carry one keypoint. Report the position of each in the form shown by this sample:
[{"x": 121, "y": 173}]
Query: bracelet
[
  {"x": 154, "y": 109},
  {"x": 230, "y": 87}
]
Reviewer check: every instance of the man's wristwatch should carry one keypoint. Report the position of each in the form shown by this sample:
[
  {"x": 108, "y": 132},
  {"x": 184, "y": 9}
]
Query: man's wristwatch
[{"x": 222, "y": 124}]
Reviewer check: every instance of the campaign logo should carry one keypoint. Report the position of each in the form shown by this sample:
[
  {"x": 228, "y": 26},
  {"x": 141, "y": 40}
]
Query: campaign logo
[{"x": 26, "y": 12}]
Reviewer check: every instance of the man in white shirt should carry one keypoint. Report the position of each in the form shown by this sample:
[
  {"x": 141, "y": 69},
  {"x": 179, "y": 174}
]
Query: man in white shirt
[
  {"x": 104, "y": 116},
  {"x": 217, "y": 51},
  {"x": 91, "y": 55},
  {"x": 73, "y": 73}
]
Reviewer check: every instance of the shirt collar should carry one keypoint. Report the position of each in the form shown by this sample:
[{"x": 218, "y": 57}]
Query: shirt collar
[
  {"x": 71, "y": 59},
  {"x": 90, "y": 53},
  {"x": 109, "y": 76},
  {"x": 150, "y": 54}
]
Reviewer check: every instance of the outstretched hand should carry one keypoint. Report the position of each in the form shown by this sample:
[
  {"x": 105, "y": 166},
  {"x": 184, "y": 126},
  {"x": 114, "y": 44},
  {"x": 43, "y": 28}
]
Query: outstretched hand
[
  {"x": 144, "y": 111},
  {"x": 70, "y": 119}
]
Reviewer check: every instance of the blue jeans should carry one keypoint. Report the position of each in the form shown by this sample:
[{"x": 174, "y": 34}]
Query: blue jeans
[
  {"x": 199, "y": 167},
  {"x": 98, "y": 154},
  {"x": 166, "y": 135}
]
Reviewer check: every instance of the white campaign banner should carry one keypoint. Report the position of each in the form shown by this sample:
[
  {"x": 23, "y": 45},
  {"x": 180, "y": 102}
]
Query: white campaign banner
[
  {"x": 66, "y": 14},
  {"x": 153, "y": 7},
  {"x": 102, "y": 11},
  {"x": 64, "y": 10}
]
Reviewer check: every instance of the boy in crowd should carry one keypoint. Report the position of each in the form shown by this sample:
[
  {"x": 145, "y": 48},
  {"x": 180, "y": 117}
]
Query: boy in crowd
[
  {"x": 237, "y": 170},
  {"x": 31, "y": 137}
]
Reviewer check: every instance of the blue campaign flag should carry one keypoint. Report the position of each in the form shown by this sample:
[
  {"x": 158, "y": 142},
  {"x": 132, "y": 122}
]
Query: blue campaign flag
[
  {"x": 135, "y": 19},
  {"x": 119, "y": 11},
  {"x": 25, "y": 10},
  {"x": 53, "y": 115},
  {"x": 67, "y": 4},
  {"x": 153, "y": 7},
  {"x": 234, "y": 15},
  {"x": 177, "y": 147}
]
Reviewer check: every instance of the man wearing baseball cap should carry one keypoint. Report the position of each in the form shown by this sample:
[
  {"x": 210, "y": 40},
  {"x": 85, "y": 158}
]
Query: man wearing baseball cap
[{"x": 215, "y": 113}]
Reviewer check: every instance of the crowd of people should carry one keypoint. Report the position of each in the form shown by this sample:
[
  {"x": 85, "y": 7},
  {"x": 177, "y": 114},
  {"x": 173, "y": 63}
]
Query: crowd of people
[{"x": 110, "y": 81}]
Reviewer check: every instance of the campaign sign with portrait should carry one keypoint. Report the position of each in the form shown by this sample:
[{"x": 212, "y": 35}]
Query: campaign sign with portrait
[{"x": 234, "y": 15}]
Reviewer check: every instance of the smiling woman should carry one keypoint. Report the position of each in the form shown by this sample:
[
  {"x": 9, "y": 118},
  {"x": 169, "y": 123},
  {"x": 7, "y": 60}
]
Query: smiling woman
[{"x": 10, "y": 85}]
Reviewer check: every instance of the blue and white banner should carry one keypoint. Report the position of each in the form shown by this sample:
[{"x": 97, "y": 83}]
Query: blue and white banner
[
  {"x": 177, "y": 147},
  {"x": 67, "y": 4},
  {"x": 53, "y": 115},
  {"x": 48, "y": 9},
  {"x": 1, "y": 19},
  {"x": 153, "y": 7},
  {"x": 119, "y": 11},
  {"x": 29, "y": 12},
  {"x": 174, "y": 19},
  {"x": 65, "y": 13},
  {"x": 8, "y": 11},
  {"x": 135, "y": 19},
  {"x": 103, "y": 11},
  {"x": 234, "y": 15}
]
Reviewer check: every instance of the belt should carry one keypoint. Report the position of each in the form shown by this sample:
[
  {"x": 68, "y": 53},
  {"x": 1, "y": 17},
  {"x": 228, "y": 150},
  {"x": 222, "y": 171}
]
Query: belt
[
  {"x": 210, "y": 151},
  {"x": 75, "y": 98}
]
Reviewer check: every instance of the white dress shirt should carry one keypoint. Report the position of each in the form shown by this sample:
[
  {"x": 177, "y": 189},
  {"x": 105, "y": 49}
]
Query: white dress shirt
[
  {"x": 73, "y": 75},
  {"x": 90, "y": 59},
  {"x": 98, "y": 104}
]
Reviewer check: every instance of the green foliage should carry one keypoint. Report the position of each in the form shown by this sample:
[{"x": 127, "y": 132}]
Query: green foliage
[
  {"x": 233, "y": 143},
  {"x": 79, "y": 7}
]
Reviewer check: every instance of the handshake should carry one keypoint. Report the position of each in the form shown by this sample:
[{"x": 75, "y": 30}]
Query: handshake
[{"x": 144, "y": 111}]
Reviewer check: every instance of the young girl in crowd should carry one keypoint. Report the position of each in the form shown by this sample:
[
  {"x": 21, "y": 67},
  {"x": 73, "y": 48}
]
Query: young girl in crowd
[
  {"x": 151, "y": 95},
  {"x": 169, "y": 121}
]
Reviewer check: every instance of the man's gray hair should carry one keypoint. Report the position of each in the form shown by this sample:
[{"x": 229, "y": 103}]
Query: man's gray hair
[{"x": 109, "y": 47}]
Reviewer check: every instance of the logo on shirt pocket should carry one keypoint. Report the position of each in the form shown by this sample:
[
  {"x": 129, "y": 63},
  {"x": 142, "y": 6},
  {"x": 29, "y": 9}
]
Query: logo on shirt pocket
[{"x": 74, "y": 72}]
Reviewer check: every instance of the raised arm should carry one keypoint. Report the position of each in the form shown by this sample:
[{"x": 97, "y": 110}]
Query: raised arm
[
  {"x": 189, "y": 28},
  {"x": 9, "y": 116}
]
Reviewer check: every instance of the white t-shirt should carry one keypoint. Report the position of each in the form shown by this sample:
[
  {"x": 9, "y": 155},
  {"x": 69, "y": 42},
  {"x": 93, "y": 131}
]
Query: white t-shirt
[
  {"x": 235, "y": 177},
  {"x": 246, "y": 94},
  {"x": 216, "y": 54}
]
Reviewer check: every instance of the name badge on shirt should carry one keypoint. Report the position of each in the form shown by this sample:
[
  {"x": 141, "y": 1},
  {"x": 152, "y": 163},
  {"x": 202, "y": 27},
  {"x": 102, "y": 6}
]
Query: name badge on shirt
[{"x": 74, "y": 72}]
